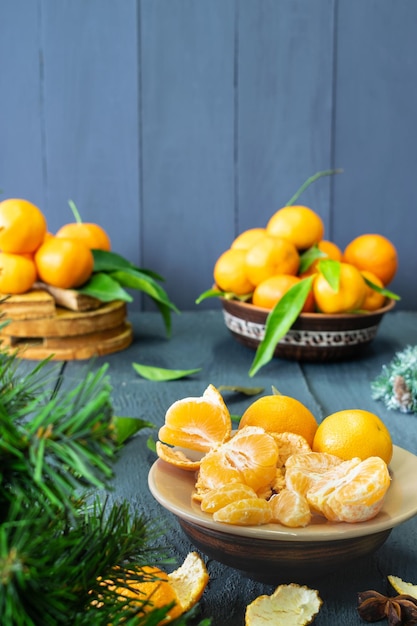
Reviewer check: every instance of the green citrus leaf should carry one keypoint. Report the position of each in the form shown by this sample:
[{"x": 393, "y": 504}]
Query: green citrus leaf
[
  {"x": 227, "y": 295},
  {"x": 105, "y": 288},
  {"x": 331, "y": 272},
  {"x": 279, "y": 321},
  {"x": 308, "y": 257},
  {"x": 132, "y": 278},
  {"x": 247, "y": 391},
  {"x": 151, "y": 444},
  {"x": 161, "y": 373},
  {"x": 382, "y": 290},
  {"x": 126, "y": 427}
]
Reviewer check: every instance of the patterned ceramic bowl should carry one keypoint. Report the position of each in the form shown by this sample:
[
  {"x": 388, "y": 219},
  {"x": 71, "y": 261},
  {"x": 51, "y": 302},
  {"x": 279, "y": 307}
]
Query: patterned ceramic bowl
[{"x": 313, "y": 336}]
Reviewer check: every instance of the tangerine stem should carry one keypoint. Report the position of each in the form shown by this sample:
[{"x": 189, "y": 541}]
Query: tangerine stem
[
  {"x": 308, "y": 182},
  {"x": 75, "y": 212}
]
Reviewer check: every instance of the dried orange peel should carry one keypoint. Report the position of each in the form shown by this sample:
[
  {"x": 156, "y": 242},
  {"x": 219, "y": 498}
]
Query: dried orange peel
[{"x": 289, "y": 605}]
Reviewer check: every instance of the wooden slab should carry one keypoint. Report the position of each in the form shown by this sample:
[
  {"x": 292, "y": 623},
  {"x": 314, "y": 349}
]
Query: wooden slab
[
  {"x": 32, "y": 305},
  {"x": 77, "y": 347}
]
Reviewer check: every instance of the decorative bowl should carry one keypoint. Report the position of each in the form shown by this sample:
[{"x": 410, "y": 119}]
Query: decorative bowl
[
  {"x": 312, "y": 337},
  {"x": 273, "y": 553}
]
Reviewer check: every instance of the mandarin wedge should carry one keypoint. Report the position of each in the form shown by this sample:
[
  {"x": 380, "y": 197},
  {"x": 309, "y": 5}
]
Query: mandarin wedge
[
  {"x": 247, "y": 512},
  {"x": 198, "y": 423},
  {"x": 250, "y": 457},
  {"x": 303, "y": 471},
  {"x": 232, "y": 492},
  {"x": 290, "y": 508},
  {"x": 353, "y": 491}
]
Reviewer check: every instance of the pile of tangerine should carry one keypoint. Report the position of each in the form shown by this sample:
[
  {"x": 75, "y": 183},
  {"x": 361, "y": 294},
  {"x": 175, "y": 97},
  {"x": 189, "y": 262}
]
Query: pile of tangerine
[
  {"x": 262, "y": 264},
  {"x": 280, "y": 466},
  {"x": 28, "y": 252}
]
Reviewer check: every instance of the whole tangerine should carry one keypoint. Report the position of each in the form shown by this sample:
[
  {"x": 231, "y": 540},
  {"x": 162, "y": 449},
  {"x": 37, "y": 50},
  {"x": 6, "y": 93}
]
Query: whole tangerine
[
  {"x": 64, "y": 263},
  {"x": 280, "y": 414},
  {"x": 17, "y": 273},
  {"x": 22, "y": 226},
  {"x": 354, "y": 433},
  {"x": 93, "y": 235}
]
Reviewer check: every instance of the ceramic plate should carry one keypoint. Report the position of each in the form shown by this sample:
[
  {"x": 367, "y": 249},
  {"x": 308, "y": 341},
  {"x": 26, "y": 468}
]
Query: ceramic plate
[{"x": 173, "y": 489}]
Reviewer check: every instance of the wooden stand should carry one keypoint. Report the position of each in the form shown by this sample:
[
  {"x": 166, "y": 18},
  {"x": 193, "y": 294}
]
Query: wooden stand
[{"x": 37, "y": 327}]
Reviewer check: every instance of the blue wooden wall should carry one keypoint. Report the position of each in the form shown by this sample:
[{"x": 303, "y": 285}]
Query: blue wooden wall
[{"x": 176, "y": 124}]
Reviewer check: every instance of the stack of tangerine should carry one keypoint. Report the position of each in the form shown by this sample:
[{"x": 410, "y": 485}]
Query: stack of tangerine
[
  {"x": 28, "y": 252},
  {"x": 262, "y": 264},
  {"x": 280, "y": 466}
]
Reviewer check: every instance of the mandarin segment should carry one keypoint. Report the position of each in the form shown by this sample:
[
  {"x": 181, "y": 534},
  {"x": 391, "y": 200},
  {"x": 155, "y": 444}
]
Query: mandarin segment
[
  {"x": 199, "y": 423},
  {"x": 246, "y": 512},
  {"x": 290, "y": 508},
  {"x": 231, "y": 492},
  {"x": 289, "y": 444}
]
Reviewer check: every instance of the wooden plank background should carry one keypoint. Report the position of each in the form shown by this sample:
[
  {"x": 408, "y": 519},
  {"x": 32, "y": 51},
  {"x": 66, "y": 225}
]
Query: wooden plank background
[{"x": 176, "y": 124}]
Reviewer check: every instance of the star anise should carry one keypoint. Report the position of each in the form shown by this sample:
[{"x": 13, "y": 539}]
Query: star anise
[{"x": 399, "y": 610}]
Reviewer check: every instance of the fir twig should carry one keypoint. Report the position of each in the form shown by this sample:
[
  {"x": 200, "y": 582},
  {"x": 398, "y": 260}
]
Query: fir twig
[{"x": 396, "y": 385}]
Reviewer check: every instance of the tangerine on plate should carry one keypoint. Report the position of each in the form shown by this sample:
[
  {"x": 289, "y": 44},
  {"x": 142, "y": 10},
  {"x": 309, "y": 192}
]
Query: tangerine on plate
[
  {"x": 350, "y": 295},
  {"x": 302, "y": 472},
  {"x": 230, "y": 272},
  {"x": 298, "y": 224},
  {"x": 269, "y": 256},
  {"x": 290, "y": 508},
  {"x": 199, "y": 423},
  {"x": 249, "y": 457},
  {"x": 270, "y": 291},
  {"x": 22, "y": 226},
  {"x": 231, "y": 492},
  {"x": 289, "y": 444},
  {"x": 64, "y": 263},
  {"x": 17, "y": 273},
  {"x": 353, "y": 491},
  {"x": 247, "y": 512},
  {"x": 374, "y": 253},
  {"x": 93, "y": 235},
  {"x": 353, "y": 433},
  {"x": 280, "y": 414}
]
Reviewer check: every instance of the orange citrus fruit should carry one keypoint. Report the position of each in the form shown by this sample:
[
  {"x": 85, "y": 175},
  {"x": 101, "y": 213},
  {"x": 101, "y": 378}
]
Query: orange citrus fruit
[
  {"x": 289, "y": 605},
  {"x": 17, "y": 273},
  {"x": 353, "y": 491},
  {"x": 373, "y": 299},
  {"x": 269, "y": 256},
  {"x": 153, "y": 588},
  {"x": 230, "y": 272},
  {"x": 374, "y": 253},
  {"x": 197, "y": 423},
  {"x": 290, "y": 508},
  {"x": 270, "y": 291},
  {"x": 230, "y": 492},
  {"x": 93, "y": 235},
  {"x": 22, "y": 226},
  {"x": 280, "y": 414},
  {"x": 354, "y": 433},
  {"x": 350, "y": 295},
  {"x": 249, "y": 457},
  {"x": 246, "y": 512},
  {"x": 330, "y": 251},
  {"x": 64, "y": 263},
  {"x": 247, "y": 238},
  {"x": 298, "y": 224},
  {"x": 302, "y": 471}
]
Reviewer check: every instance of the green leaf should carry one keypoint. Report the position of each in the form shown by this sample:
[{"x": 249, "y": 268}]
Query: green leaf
[
  {"x": 308, "y": 257},
  {"x": 135, "y": 279},
  {"x": 331, "y": 272},
  {"x": 161, "y": 373},
  {"x": 227, "y": 295},
  {"x": 279, "y": 321},
  {"x": 126, "y": 427},
  {"x": 106, "y": 261},
  {"x": 151, "y": 444},
  {"x": 308, "y": 182},
  {"x": 381, "y": 290},
  {"x": 105, "y": 288},
  {"x": 247, "y": 391}
]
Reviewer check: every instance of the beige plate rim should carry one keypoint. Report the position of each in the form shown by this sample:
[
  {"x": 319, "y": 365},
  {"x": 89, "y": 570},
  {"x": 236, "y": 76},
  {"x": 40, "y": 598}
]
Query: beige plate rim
[{"x": 173, "y": 489}]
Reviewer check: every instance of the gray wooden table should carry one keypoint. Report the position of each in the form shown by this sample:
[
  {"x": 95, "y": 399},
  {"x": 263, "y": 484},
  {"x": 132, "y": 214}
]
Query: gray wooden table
[{"x": 201, "y": 340}]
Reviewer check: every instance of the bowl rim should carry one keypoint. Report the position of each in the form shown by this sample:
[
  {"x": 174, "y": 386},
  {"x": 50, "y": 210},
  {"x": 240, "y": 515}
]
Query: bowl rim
[
  {"x": 248, "y": 306},
  {"x": 173, "y": 487}
]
